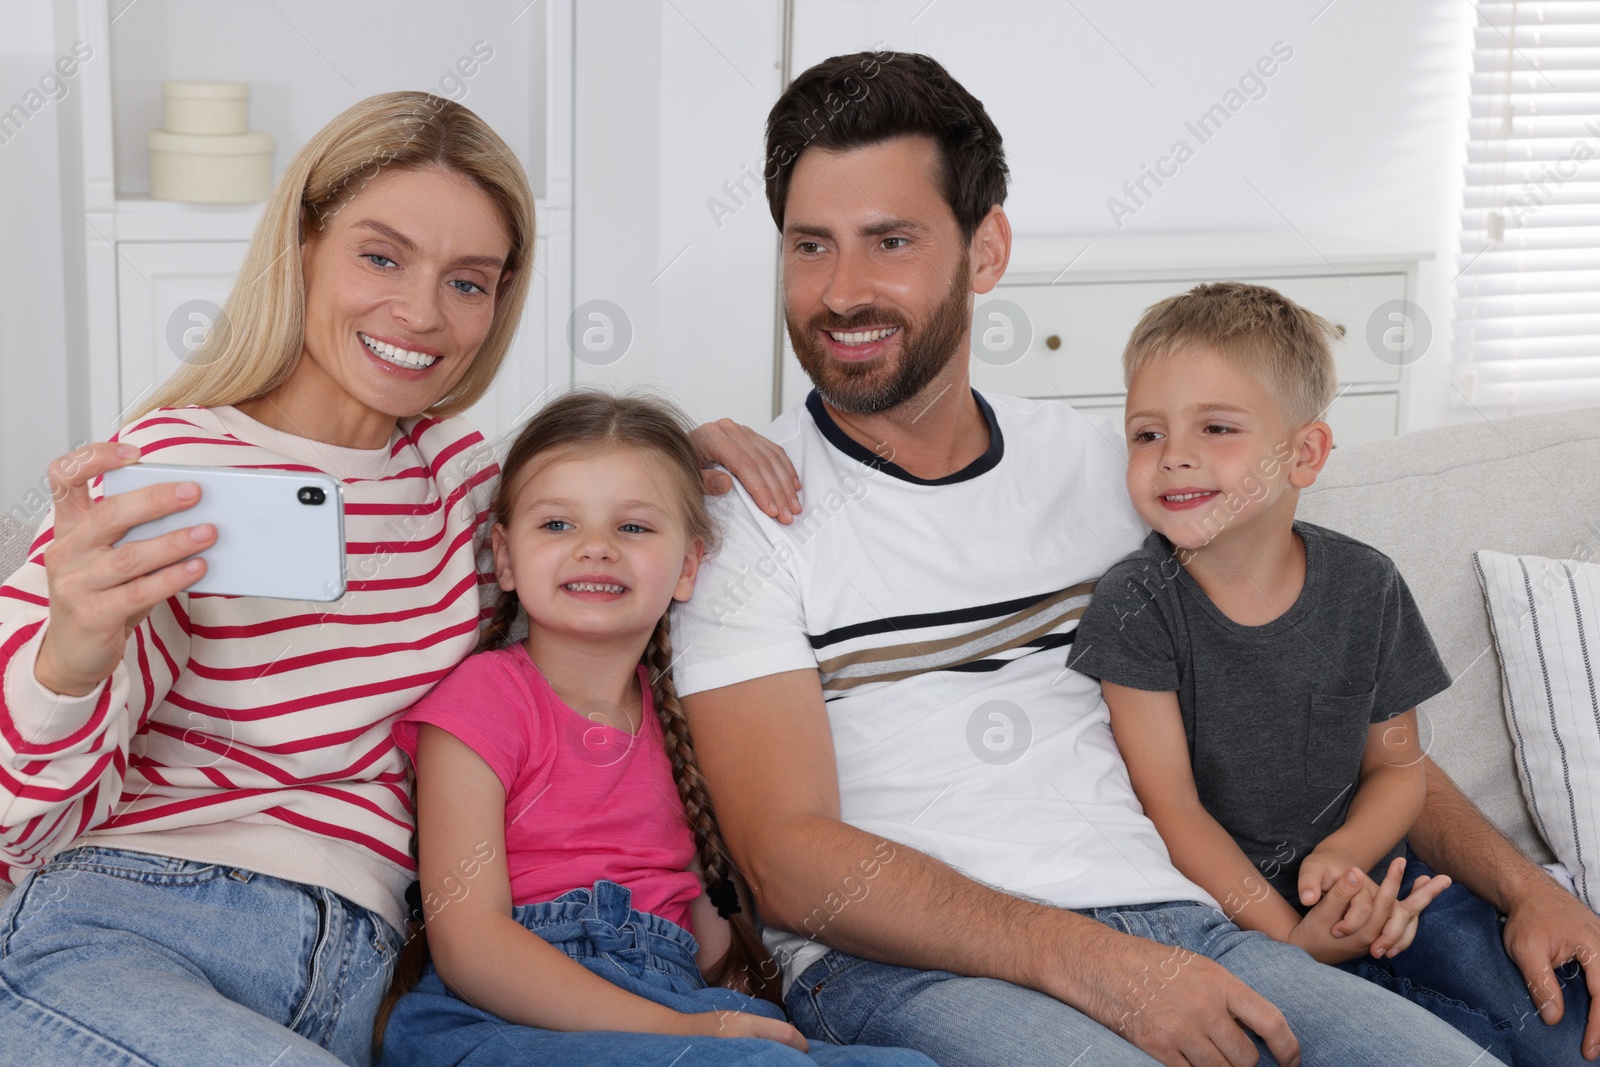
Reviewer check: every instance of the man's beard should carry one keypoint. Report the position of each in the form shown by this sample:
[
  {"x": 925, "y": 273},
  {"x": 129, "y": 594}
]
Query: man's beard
[{"x": 877, "y": 385}]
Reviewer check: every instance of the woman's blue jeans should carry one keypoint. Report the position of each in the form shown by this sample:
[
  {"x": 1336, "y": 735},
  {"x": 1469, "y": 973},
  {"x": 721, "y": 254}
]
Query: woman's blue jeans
[
  {"x": 109, "y": 956},
  {"x": 644, "y": 954}
]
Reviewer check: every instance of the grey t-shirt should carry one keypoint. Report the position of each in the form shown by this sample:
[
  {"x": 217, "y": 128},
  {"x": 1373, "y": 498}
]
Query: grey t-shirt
[{"x": 1276, "y": 715}]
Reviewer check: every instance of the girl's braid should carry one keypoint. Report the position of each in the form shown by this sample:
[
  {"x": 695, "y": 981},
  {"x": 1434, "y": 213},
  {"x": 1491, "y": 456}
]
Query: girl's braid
[
  {"x": 497, "y": 634},
  {"x": 747, "y": 963}
]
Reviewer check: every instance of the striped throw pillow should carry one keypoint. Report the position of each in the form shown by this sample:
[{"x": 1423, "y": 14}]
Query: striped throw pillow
[{"x": 1545, "y": 617}]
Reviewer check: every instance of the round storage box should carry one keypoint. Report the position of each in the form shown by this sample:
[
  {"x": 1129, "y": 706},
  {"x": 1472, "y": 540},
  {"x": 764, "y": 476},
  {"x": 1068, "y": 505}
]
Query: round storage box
[
  {"x": 211, "y": 108},
  {"x": 234, "y": 169}
]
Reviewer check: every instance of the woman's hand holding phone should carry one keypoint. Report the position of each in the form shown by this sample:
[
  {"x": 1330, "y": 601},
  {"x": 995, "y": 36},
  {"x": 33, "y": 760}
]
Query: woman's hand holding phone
[{"x": 100, "y": 592}]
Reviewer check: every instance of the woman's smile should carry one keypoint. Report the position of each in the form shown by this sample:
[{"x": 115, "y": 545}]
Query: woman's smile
[{"x": 405, "y": 355}]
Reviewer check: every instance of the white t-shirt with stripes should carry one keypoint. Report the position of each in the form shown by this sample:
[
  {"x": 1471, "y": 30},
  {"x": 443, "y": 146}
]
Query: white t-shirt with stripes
[
  {"x": 254, "y": 732},
  {"x": 940, "y": 614}
]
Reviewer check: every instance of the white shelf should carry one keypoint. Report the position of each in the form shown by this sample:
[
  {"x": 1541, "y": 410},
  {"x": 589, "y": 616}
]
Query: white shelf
[{"x": 143, "y": 219}]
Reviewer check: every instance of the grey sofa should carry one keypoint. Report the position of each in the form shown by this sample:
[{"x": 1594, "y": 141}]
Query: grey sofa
[
  {"x": 1430, "y": 499},
  {"x": 1526, "y": 485}
]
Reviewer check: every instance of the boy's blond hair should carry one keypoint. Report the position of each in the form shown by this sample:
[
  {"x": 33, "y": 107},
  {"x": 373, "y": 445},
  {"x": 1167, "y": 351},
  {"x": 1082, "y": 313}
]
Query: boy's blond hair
[{"x": 1259, "y": 330}]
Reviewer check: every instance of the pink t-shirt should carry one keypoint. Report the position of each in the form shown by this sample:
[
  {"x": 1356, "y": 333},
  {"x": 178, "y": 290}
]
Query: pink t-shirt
[{"x": 584, "y": 801}]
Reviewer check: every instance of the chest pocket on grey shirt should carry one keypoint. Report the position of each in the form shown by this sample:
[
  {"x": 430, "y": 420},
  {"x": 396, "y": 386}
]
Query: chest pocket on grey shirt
[{"x": 1336, "y": 739}]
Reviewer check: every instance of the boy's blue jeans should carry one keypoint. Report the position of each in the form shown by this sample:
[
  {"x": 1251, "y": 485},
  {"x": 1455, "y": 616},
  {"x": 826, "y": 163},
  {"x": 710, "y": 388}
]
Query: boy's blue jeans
[
  {"x": 124, "y": 958},
  {"x": 1458, "y": 969},
  {"x": 1338, "y": 1018},
  {"x": 644, "y": 954}
]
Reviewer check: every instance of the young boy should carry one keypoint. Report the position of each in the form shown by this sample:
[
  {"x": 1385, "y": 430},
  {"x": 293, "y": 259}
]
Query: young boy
[{"x": 1262, "y": 674}]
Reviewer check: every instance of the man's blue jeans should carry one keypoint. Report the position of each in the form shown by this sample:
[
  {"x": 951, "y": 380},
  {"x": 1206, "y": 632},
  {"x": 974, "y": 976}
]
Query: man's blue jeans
[
  {"x": 1458, "y": 969},
  {"x": 642, "y": 953},
  {"x": 124, "y": 958},
  {"x": 1338, "y": 1018}
]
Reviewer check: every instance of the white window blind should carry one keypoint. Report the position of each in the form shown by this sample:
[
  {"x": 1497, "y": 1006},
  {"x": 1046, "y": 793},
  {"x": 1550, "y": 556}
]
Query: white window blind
[{"x": 1527, "y": 315}]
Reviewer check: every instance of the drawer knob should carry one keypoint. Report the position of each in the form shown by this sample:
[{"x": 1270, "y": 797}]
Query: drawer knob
[{"x": 1053, "y": 342}]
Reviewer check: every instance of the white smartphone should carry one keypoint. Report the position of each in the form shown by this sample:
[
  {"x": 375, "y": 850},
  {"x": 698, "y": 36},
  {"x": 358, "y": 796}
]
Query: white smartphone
[{"x": 280, "y": 534}]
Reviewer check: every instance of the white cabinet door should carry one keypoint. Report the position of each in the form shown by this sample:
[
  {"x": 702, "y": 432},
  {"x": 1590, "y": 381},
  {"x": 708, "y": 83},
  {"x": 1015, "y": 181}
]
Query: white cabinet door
[
  {"x": 1068, "y": 339},
  {"x": 1349, "y": 302},
  {"x": 1359, "y": 418},
  {"x": 168, "y": 294}
]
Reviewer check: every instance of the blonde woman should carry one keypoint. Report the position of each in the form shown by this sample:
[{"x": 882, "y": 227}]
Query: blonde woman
[{"x": 199, "y": 798}]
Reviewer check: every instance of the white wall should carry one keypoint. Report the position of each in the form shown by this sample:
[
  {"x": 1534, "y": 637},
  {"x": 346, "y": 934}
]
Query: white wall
[
  {"x": 1347, "y": 138},
  {"x": 671, "y": 102},
  {"x": 1359, "y": 135},
  {"x": 33, "y": 337}
]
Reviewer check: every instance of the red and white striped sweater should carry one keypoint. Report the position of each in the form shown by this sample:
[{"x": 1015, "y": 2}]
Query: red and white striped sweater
[{"x": 254, "y": 732}]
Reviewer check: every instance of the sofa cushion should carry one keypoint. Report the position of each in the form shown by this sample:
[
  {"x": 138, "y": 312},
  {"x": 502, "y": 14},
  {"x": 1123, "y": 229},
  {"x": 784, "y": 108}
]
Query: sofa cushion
[
  {"x": 1528, "y": 485},
  {"x": 1545, "y": 618}
]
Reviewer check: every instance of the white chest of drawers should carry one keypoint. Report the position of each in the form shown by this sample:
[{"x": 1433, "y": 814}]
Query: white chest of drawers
[{"x": 1079, "y": 299}]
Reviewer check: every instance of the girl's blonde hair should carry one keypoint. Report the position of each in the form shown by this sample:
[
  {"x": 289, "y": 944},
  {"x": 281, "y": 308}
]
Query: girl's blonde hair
[
  {"x": 581, "y": 423},
  {"x": 263, "y": 322}
]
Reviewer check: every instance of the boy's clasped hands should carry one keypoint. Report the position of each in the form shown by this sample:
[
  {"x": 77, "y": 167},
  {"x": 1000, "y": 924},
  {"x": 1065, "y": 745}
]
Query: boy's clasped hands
[{"x": 1351, "y": 915}]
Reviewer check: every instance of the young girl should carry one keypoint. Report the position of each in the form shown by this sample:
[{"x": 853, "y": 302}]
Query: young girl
[{"x": 564, "y": 828}]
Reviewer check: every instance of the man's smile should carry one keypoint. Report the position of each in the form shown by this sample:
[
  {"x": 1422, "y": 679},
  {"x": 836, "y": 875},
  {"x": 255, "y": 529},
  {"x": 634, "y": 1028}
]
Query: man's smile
[
  {"x": 858, "y": 346},
  {"x": 861, "y": 337}
]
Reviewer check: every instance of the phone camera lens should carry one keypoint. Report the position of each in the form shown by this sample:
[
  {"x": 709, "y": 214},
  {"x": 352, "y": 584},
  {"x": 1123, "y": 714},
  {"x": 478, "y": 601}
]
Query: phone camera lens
[{"x": 310, "y": 494}]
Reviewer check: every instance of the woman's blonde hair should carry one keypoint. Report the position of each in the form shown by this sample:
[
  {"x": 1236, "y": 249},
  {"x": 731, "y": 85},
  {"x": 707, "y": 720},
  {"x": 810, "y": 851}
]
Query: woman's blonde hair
[{"x": 262, "y": 327}]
